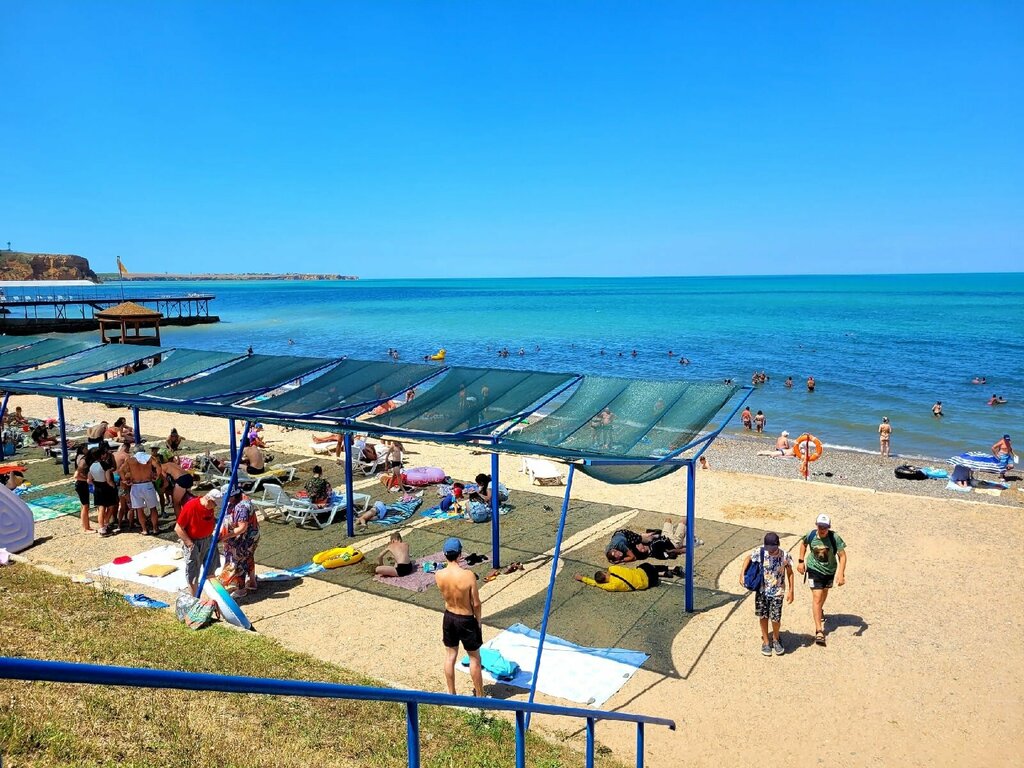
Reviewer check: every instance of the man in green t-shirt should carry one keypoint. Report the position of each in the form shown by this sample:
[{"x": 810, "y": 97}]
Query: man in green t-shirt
[{"x": 825, "y": 565}]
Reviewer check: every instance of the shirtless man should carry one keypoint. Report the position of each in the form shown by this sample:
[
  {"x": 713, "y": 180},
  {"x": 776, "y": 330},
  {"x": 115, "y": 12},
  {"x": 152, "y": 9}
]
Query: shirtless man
[
  {"x": 782, "y": 444},
  {"x": 123, "y": 481},
  {"x": 399, "y": 550},
  {"x": 461, "y": 616},
  {"x": 747, "y": 418},
  {"x": 937, "y": 409},
  {"x": 1001, "y": 449},
  {"x": 97, "y": 433},
  {"x": 142, "y": 469},
  {"x": 252, "y": 458},
  {"x": 810, "y": 383}
]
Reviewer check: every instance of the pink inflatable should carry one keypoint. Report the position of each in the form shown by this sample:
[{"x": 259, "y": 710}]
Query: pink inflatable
[{"x": 418, "y": 476}]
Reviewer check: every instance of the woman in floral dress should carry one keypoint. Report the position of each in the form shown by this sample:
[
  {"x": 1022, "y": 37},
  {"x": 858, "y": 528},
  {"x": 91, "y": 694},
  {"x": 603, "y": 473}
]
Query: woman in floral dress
[{"x": 240, "y": 534}]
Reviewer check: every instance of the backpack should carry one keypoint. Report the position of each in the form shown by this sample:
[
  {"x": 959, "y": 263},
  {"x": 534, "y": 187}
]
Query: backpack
[
  {"x": 753, "y": 577},
  {"x": 831, "y": 541}
]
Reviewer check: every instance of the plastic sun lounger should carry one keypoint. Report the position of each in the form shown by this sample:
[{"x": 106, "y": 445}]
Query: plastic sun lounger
[{"x": 543, "y": 472}]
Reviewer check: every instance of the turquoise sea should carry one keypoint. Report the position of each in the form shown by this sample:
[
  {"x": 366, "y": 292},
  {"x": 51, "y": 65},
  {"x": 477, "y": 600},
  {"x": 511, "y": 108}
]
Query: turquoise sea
[{"x": 876, "y": 345}]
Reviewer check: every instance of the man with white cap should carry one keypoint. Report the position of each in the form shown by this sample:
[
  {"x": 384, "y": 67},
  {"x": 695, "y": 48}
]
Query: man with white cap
[
  {"x": 825, "y": 566},
  {"x": 194, "y": 527},
  {"x": 782, "y": 444},
  {"x": 143, "y": 470},
  {"x": 461, "y": 623}
]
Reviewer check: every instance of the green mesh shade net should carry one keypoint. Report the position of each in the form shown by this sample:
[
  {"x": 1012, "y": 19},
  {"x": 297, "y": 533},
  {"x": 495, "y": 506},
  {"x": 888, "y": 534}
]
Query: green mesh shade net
[
  {"x": 348, "y": 389},
  {"x": 606, "y": 418},
  {"x": 177, "y": 366},
  {"x": 46, "y": 351},
  {"x": 93, "y": 362},
  {"x": 251, "y": 376},
  {"x": 471, "y": 399},
  {"x": 13, "y": 342}
]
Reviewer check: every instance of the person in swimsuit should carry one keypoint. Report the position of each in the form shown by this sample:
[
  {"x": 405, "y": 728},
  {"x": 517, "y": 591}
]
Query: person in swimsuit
[
  {"x": 747, "y": 418},
  {"x": 399, "y": 551},
  {"x": 760, "y": 420},
  {"x": 252, "y": 458},
  {"x": 143, "y": 470},
  {"x": 461, "y": 623},
  {"x": 884, "y": 431},
  {"x": 810, "y": 383},
  {"x": 937, "y": 409}
]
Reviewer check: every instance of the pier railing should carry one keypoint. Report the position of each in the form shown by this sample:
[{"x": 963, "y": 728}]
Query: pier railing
[{"x": 136, "y": 677}]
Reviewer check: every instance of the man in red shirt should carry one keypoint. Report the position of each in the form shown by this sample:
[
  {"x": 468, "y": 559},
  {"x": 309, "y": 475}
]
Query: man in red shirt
[{"x": 195, "y": 529}]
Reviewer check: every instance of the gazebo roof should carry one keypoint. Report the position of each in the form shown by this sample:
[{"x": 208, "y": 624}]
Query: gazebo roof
[{"x": 128, "y": 309}]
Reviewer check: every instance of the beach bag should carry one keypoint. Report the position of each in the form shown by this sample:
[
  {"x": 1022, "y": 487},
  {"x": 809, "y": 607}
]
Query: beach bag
[
  {"x": 753, "y": 577},
  {"x": 201, "y": 613},
  {"x": 183, "y": 604},
  {"x": 502, "y": 493},
  {"x": 479, "y": 512},
  {"x": 909, "y": 472}
]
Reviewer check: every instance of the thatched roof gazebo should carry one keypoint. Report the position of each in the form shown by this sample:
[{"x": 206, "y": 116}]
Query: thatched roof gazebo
[{"x": 129, "y": 323}]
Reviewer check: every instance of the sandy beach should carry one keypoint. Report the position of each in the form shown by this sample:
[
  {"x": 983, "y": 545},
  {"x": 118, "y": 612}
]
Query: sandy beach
[{"x": 925, "y": 655}]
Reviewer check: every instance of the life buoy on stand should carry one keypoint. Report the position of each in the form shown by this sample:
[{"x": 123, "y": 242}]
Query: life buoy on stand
[{"x": 807, "y": 448}]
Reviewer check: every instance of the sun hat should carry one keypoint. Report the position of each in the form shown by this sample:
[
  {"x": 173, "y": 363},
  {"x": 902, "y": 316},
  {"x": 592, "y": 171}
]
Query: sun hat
[
  {"x": 214, "y": 494},
  {"x": 234, "y": 490},
  {"x": 785, "y": 433},
  {"x": 452, "y": 546},
  {"x": 771, "y": 539},
  {"x": 824, "y": 520}
]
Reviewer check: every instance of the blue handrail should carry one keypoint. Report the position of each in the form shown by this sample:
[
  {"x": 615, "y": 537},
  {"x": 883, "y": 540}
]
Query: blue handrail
[{"x": 137, "y": 677}]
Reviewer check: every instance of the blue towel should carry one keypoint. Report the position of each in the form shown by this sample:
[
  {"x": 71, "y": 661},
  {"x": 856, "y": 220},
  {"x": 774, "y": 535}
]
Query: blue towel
[
  {"x": 399, "y": 512},
  {"x": 291, "y": 574},
  {"x": 499, "y": 667},
  {"x": 139, "y": 600}
]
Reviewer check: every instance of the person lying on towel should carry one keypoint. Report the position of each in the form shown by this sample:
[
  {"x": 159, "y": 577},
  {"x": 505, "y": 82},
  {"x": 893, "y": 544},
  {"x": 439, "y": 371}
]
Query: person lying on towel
[{"x": 619, "y": 578}]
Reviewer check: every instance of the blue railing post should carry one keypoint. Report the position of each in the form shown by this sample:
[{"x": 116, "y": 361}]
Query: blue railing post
[
  {"x": 3, "y": 412},
  {"x": 135, "y": 425},
  {"x": 590, "y": 743},
  {"x": 495, "y": 510},
  {"x": 520, "y": 739},
  {"x": 234, "y": 440},
  {"x": 220, "y": 518},
  {"x": 691, "y": 476},
  {"x": 62, "y": 424},
  {"x": 639, "y": 745},
  {"x": 412, "y": 727},
  {"x": 349, "y": 506},
  {"x": 551, "y": 588}
]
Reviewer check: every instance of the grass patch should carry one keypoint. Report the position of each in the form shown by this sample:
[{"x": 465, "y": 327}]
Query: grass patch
[{"x": 50, "y": 724}]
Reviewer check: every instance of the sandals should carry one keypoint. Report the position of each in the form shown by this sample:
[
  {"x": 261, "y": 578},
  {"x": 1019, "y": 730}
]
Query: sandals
[
  {"x": 512, "y": 568},
  {"x": 492, "y": 575},
  {"x": 819, "y": 638}
]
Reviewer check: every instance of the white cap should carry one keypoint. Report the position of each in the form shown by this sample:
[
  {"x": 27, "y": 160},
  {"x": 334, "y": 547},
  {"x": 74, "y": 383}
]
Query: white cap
[
  {"x": 824, "y": 520},
  {"x": 215, "y": 494},
  {"x": 785, "y": 433}
]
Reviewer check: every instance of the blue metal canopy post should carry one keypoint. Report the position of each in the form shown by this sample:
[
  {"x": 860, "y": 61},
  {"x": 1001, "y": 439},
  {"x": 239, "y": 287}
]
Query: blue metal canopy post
[
  {"x": 135, "y": 425},
  {"x": 551, "y": 588},
  {"x": 63, "y": 434},
  {"x": 234, "y": 441},
  {"x": 3, "y": 412},
  {"x": 349, "y": 506},
  {"x": 691, "y": 495},
  {"x": 495, "y": 509},
  {"x": 220, "y": 517}
]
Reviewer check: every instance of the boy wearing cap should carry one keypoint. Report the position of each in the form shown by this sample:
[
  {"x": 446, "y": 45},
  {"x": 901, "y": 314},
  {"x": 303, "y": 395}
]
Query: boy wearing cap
[
  {"x": 825, "y": 565},
  {"x": 777, "y": 575},
  {"x": 194, "y": 527},
  {"x": 461, "y": 623}
]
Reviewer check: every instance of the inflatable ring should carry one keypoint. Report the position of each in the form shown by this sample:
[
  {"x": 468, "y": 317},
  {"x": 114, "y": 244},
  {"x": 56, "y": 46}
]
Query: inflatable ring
[
  {"x": 337, "y": 557},
  {"x": 813, "y": 454}
]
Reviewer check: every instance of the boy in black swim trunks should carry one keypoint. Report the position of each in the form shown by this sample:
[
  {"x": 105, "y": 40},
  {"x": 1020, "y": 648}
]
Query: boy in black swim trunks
[
  {"x": 461, "y": 616},
  {"x": 399, "y": 551}
]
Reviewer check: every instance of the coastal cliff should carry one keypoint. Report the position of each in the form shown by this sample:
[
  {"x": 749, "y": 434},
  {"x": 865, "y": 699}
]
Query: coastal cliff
[{"x": 17, "y": 265}]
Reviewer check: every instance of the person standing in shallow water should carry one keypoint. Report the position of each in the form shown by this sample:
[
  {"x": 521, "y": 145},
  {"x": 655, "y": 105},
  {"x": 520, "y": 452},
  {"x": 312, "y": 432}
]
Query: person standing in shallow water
[
  {"x": 884, "y": 431},
  {"x": 937, "y": 409}
]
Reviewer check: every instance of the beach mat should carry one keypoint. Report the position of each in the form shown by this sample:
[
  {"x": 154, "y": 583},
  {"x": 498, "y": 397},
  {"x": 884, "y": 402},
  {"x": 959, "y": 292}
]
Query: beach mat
[
  {"x": 567, "y": 671},
  {"x": 418, "y": 580},
  {"x": 56, "y": 505},
  {"x": 165, "y": 555}
]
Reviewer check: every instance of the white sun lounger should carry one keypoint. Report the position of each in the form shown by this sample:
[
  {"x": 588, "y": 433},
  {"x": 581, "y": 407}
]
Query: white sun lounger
[{"x": 543, "y": 472}]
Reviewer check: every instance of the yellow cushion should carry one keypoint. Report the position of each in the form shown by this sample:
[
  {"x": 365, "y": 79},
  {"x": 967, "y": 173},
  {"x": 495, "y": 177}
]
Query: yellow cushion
[{"x": 157, "y": 570}]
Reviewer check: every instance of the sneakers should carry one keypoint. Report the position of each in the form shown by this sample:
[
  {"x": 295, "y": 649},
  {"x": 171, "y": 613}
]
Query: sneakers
[
  {"x": 766, "y": 650},
  {"x": 777, "y": 647}
]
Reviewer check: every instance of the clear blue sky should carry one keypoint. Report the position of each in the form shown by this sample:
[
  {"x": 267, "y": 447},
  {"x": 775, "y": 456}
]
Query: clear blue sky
[{"x": 480, "y": 139}]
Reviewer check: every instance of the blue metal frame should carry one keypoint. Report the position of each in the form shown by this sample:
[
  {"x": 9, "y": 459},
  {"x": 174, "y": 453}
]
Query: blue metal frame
[
  {"x": 3, "y": 412},
  {"x": 495, "y": 514},
  {"x": 349, "y": 506},
  {"x": 136, "y": 427},
  {"x": 136, "y": 677},
  {"x": 62, "y": 424}
]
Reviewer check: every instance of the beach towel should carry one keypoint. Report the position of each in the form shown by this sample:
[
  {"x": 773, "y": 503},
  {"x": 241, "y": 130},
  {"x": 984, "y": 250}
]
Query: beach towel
[
  {"x": 568, "y": 671},
  {"x": 291, "y": 574},
  {"x": 979, "y": 461},
  {"x": 419, "y": 580},
  {"x": 399, "y": 512},
  {"x": 169, "y": 554},
  {"x": 139, "y": 600},
  {"x": 437, "y": 513},
  {"x": 50, "y": 507}
]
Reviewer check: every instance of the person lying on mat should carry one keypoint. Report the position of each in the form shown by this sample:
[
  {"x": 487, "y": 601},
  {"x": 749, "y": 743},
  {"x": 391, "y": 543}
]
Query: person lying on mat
[
  {"x": 626, "y": 546},
  {"x": 619, "y": 578},
  {"x": 378, "y": 511},
  {"x": 399, "y": 552}
]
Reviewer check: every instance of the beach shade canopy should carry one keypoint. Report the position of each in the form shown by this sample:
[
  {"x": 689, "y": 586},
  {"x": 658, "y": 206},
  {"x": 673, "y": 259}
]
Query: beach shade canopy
[
  {"x": 247, "y": 378},
  {"x": 623, "y": 419},
  {"x": 347, "y": 390},
  {"x": 174, "y": 368},
  {"x": 45, "y": 351},
  {"x": 472, "y": 401},
  {"x": 7, "y": 343},
  {"x": 92, "y": 362}
]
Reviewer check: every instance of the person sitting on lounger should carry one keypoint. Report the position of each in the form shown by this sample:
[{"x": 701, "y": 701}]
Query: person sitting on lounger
[
  {"x": 399, "y": 552},
  {"x": 121, "y": 431},
  {"x": 318, "y": 489},
  {"x": 253, "y": 459},
  {"x": 174, "y": 441},
  {"x": 618, "y": 578}
]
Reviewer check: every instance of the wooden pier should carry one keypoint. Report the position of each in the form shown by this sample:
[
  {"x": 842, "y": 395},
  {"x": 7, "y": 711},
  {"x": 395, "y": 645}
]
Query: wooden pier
[{"x": 27, "y": 312}]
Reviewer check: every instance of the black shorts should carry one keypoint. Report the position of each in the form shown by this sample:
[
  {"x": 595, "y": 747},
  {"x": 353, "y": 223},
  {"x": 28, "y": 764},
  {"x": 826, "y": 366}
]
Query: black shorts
[
  {"x": 652, "y": 574},
  {"x": 465, "y": 629},
  {"x": 403, "y": 569},
  {"x": 104, "y": 495},
  {"x": 82, "y": 489},
  {"x": 820, "y": 580}
]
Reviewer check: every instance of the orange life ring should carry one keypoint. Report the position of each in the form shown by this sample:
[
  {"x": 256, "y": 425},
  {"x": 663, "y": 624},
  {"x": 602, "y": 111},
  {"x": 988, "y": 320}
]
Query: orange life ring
[{"x": 814, "y": 453}]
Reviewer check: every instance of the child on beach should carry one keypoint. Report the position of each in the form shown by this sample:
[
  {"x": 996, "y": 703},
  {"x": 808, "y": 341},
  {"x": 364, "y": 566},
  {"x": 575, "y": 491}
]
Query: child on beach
[{"x": 777, "y": 582}]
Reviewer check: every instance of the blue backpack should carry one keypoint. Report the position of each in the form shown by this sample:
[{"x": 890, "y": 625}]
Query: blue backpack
[{"x": 753, "y": 577}]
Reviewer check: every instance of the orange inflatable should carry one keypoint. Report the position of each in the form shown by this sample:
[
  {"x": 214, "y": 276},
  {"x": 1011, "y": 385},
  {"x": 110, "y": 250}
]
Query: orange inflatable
[{"x": 812, "y": 446}]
